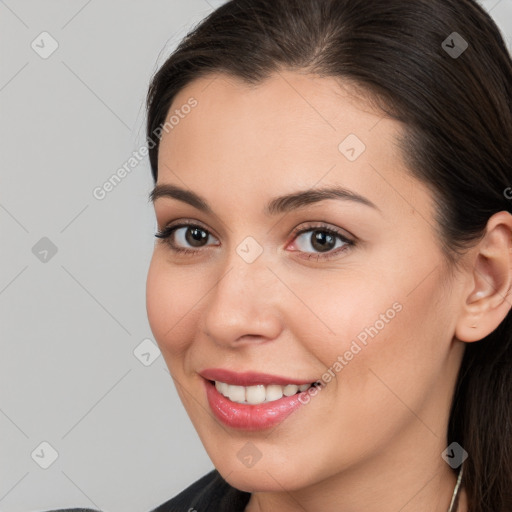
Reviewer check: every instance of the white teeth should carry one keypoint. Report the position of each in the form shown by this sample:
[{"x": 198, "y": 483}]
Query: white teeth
[
  {"x": 222, "y": 387},
  {"x": 290, "y": 390},
  {"x": 254, "y": 394},
  {"x": 258, "y": 394},
  {"x": 274, "y": 392},
  {"x": 236, "y": 393}
]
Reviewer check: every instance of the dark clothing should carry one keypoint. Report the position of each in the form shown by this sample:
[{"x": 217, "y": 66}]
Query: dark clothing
[
  {"x": 73, "y": 510},
  {"x": 211, "y": 493}
]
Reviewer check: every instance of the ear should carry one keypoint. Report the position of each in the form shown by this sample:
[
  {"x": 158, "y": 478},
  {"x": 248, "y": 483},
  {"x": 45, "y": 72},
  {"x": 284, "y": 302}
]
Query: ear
[{"x": 487, "y": 298}]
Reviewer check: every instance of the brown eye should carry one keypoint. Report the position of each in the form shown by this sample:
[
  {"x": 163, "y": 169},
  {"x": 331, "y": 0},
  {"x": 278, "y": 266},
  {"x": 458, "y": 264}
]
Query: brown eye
[
  {"x": 194, "y": 236},
  {"x": 184, "y": 237},
  {"x": 320, "y": 242}
]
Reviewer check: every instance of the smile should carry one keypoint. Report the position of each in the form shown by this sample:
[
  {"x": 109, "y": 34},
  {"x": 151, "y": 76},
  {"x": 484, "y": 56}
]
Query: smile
[{"x": 259, "y": 393}]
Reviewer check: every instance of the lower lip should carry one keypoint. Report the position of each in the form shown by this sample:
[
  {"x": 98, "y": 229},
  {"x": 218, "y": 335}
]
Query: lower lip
[{"x": 252, "y": 417}]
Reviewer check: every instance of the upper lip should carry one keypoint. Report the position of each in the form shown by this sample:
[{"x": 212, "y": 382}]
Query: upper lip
[{"x": 249, "y": 378}]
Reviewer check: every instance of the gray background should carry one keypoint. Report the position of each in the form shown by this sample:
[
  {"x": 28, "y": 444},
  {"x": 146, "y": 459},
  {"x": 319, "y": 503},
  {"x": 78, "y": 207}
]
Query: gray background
[{"x": 72, "y": 322}]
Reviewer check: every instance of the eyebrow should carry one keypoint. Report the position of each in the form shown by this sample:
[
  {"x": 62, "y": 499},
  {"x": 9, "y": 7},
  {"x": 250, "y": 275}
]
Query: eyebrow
[{"x": 281, "y": 204}]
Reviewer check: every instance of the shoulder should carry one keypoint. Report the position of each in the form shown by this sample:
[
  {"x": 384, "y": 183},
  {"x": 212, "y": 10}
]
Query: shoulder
[{"x": 208, "y": 494}]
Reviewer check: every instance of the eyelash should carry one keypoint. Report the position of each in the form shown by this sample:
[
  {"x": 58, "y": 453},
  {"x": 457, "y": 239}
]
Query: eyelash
[{"x": 166, "y": 233}]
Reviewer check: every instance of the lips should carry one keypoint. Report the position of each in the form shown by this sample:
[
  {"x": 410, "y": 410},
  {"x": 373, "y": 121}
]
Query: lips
[
  {"x": 251, "y": 417},
  {"x": 249, "y": 378},
  {"x": 246, "y": 416}
]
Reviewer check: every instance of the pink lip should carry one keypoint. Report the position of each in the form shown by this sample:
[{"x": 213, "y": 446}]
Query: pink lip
[
  {"x": 252, "y": 417},
  {"x": 249, "y": 378}
]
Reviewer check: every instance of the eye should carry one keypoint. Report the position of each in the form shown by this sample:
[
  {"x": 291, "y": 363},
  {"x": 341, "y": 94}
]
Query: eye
[
  {"x": 328, "y": 241},
  {"x": 183, "y": 234}
]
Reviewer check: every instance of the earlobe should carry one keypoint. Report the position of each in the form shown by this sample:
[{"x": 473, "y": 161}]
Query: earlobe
[{"x": 490, "y": 282}]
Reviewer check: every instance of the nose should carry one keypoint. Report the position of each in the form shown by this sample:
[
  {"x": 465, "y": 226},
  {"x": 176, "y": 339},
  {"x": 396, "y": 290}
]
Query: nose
[{"x": 245, "y": 304}]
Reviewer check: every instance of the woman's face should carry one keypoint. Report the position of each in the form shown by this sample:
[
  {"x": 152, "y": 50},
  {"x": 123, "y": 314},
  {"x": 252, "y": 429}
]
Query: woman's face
[{"x": 361, "y": 295}]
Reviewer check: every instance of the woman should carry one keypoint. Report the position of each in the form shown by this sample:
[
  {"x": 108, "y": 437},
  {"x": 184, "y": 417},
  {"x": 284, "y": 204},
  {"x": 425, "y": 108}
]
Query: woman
[
  {"x": 331, "y": 284},
  {"x": 330, "y": 287}
]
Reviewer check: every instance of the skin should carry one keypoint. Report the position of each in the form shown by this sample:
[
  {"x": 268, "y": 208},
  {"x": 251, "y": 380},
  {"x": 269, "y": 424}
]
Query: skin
[{"x": 372, "y": 438}]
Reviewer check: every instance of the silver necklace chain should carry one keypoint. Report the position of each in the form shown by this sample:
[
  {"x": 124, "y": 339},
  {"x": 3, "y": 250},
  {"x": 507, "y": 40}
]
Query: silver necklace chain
[{"x": 456, "y": 490}]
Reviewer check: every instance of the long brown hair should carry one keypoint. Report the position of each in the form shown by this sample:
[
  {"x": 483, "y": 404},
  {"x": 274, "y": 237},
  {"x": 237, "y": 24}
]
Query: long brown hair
[{"x": 442, "y": 68}]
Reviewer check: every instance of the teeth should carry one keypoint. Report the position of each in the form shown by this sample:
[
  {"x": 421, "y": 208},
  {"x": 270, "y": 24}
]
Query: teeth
[
  {"x": 253, "y": 394},
  {"x": 258, "y": 394}
]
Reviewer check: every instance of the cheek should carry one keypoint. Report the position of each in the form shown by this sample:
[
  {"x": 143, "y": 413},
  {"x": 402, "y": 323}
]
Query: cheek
[
  {"x": 171, "y": 294},
  {"x": 395, "y": 348},
  {"x": 351, "y": 310},
  {"x": 380, "y": 321}
]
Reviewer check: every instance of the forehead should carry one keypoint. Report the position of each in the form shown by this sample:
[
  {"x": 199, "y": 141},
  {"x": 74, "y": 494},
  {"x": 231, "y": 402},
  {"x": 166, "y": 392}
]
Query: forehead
[
  {"x": 291, "y": 130},
  {"x": 276, "y": 113}
]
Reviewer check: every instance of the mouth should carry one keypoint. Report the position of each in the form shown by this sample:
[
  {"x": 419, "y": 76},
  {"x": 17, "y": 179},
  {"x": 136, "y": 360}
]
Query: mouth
[
  {"x": 259, "y": 393},
  {"x": 259, "y": 406}
]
